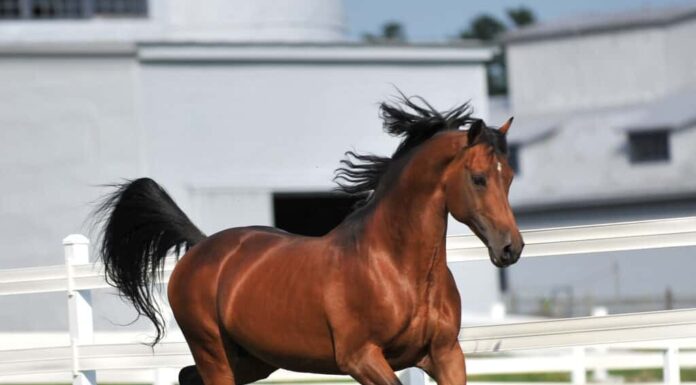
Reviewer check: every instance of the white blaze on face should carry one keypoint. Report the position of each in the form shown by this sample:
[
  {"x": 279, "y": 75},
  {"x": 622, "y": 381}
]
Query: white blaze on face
[{"x": 500, "y": 167}]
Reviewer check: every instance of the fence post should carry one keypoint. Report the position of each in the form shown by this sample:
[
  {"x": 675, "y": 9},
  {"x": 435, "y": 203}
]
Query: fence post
[
  {"x": 166, "y": 376},
  {"x": 413, "y": 376},
  {"x": 600, "y": 373},
  {"x": 670, "y": 371},
  {"x": 498, "y": 311},
  {"x": 578, "y": 375},
  {"x": 76, "y": 248}
]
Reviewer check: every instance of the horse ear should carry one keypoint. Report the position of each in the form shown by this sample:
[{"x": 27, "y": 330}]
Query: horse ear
[
  {"x": 475, "y": 130},
  {"x": 506, "y": 126}
]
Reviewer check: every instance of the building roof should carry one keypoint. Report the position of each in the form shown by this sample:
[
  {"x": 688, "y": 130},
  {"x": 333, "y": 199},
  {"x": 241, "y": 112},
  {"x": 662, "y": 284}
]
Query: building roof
[
  {"x": 675, "y": 111},
  {"x": 451, "y": 53},
  {"x": 597, "y": 23},
  {"x": 527, "y": 130}
]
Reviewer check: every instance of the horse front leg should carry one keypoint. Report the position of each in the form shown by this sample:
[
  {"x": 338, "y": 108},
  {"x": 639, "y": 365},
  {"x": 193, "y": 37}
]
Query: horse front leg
[
  {"x": 445, "y": 364},
  {"x": 368, "y": 366}
]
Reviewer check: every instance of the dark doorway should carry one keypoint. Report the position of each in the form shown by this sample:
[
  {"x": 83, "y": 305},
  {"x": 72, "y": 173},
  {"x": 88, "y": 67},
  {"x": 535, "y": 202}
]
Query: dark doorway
[{"x": 311, "y": 213}]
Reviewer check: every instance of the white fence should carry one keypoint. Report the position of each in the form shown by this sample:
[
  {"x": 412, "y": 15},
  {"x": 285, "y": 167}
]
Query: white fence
[{"x": 83, "y": 358}]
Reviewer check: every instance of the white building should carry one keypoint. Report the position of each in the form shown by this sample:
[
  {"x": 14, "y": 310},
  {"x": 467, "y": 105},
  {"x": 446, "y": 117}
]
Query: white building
[
  {"x": 605, "y": 110},
  {"x": 226, "y": 103}
]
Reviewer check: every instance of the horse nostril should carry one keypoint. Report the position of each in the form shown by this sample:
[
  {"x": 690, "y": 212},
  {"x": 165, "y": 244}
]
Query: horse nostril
[{"x": 507, "y": 253}]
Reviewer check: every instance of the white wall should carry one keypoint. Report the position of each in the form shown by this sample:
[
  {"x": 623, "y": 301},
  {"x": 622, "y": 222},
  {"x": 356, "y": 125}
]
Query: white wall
[
  {"x": 589, "y": 71},
  {"x": 225, "y": 20},
  {"x": 601, "y": 70},
  {"x": 680, "y": 55},
  {"x": 258, "y": 20},
  {"x": 67, "y": 125},
  {"x": 588, "y": 160},
  {"x": 222, "y": 208}
]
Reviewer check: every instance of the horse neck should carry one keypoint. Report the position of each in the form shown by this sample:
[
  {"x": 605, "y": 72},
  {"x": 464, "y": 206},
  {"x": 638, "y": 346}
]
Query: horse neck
[{"x": 409, "y": 222}]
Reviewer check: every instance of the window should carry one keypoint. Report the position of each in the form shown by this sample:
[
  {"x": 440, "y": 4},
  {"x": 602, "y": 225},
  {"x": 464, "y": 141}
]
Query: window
[
  {"x": 311, "y": 213},
  {"x": 70, "y": 9},
  {"x": 514, "y": 157},
  {"x": 9, "y": 9},
  {"x": 649, "y": 146},
  {"x": 114, "y": 8},
  {"x": 55, "y": 9}
]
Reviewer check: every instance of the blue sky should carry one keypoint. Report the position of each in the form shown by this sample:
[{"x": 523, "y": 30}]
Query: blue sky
[{"x": 440, "y": 19}]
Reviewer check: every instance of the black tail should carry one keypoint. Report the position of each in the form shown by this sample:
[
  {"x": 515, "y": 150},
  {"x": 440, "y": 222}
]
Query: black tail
[{"x": 141, "y": 225}]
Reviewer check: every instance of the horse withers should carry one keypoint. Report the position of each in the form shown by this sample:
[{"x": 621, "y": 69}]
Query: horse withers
[{"x": 372, "y": 296}]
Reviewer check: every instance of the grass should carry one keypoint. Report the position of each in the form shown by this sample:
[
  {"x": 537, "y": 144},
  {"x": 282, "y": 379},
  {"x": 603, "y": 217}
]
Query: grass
[
  {"x": 521, "y": 377},
  {"x": 629, "y": 376},
  {"x": 652, "y": 375}
]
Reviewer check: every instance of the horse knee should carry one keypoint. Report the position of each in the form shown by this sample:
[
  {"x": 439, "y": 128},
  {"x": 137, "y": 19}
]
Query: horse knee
[{"x": 189, "y": 376}]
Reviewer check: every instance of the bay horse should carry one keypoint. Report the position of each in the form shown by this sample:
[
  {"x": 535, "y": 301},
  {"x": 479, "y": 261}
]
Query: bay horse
[{"x": 372, "y": 296}]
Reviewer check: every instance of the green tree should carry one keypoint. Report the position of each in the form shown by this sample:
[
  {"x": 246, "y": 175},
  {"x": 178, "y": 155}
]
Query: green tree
[
  {"x": 521, "y": 16},
  {"x": 484, "y": 27},
  {"x": 392, "y": 31},
  {"x": 488, "y": 28}
]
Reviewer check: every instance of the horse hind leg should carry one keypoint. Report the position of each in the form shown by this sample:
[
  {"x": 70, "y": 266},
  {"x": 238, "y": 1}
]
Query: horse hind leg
[
  {"x": 212, "y": 366},
  {"x": 248, "y": 369},
  {"x": 241, "y": 368},
  {"x": 246, "y": 372}
]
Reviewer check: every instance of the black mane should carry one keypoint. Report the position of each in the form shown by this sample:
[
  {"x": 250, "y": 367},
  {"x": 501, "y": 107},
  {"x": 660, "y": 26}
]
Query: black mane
[{"x": 416, "y": 121}]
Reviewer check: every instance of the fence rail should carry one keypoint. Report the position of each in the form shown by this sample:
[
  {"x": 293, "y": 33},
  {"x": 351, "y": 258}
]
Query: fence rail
[
  {"x": 585, "y": 331},
  {"x": 652, "y": 234},
  {"x": 83, "y": 358}
]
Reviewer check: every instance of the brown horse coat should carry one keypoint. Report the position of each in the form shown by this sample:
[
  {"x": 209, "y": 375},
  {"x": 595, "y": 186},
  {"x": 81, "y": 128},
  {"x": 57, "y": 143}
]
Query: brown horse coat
[{"x": 372, "y": 296}]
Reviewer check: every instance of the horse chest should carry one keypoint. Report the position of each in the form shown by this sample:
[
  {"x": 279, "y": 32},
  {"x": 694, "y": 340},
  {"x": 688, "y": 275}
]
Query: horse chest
[
  {"x": 437, "y": 309},
  {"x": 410, "y": 344}
]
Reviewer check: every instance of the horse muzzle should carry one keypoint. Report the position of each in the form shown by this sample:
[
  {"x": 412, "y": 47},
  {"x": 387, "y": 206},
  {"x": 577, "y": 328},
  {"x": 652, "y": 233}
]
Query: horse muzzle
[{"x": 506, "y": 255}]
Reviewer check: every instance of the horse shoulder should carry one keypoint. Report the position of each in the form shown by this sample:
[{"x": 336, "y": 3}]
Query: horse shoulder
[{"x": 445, "y": 308}]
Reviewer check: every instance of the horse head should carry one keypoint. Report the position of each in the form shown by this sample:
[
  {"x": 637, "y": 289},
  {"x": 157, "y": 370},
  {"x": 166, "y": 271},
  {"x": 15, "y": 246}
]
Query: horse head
[{"x": 477, "y": 186}]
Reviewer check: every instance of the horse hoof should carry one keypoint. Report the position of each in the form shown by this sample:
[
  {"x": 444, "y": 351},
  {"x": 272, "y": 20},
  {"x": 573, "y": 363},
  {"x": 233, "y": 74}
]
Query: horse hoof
[{"x": 189, "y": 376}]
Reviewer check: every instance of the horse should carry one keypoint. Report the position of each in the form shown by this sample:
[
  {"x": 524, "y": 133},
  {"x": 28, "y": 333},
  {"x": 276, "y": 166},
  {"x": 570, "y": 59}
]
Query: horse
[{"x": 372, "y": 296}]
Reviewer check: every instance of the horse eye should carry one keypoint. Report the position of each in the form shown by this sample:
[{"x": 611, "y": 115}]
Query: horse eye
[{"x": 479, "y": 180}]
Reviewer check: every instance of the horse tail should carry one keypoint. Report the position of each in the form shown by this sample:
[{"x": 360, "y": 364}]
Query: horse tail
[{"x": 141, "y": 224}]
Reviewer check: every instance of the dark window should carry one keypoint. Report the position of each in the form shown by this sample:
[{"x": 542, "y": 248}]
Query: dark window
[
  {"x": 124, "y": 8},
  {"x": 649, "y": 146},
  {"x": 311, "y": 213},
  {"x": 514, "y": 157},
  {"x": 71, "y": 9},
  {"x": 56, "y": 9},
  {"x": 9, "y": 9}
]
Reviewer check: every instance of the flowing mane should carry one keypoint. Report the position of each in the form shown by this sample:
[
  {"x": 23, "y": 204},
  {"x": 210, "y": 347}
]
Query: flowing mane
[{"x": 413, "y": 119}]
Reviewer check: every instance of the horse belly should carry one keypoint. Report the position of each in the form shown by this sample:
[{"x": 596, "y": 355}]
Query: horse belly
[{"x": 274, "y": 311}]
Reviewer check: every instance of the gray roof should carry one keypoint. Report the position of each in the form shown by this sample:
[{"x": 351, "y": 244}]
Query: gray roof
[
  {"x": 675, "y": 111},
  {"x": 596, "y": 23},
  {"x": 526, "y": 130}
]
